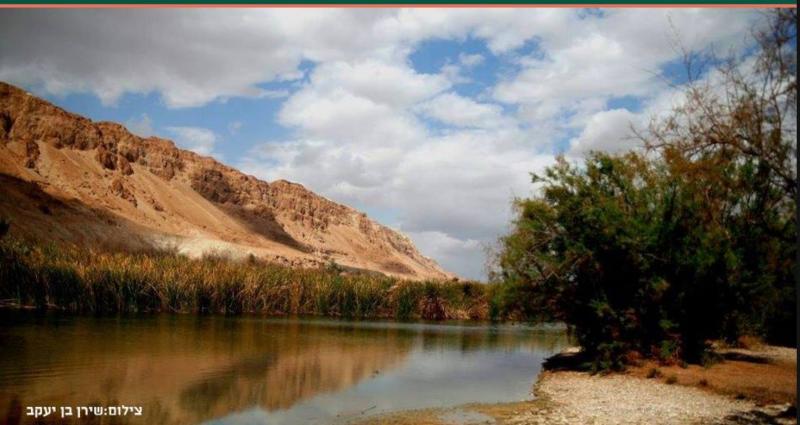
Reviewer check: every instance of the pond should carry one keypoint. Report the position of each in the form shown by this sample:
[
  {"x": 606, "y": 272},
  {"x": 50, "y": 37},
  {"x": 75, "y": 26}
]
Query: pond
[{"x": 182, "y": 369}]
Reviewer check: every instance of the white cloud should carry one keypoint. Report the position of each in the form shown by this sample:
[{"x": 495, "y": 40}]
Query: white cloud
[
  {"x": 196, "y": 139},
  {"x": 454, "y": 74},
  {"x": 594, "y": 68},
  {"x": 192, "y": 57},
  {"x": 382, "y": 82},
  {"x": 615, "y": 55},
  {"x": 459, "y": 111},
  {"x": 470, "y": 60},
  {"x": 363, "y": 102},
  {"x": 466, "y": 256},
  {"x": 608, "y": 131}
]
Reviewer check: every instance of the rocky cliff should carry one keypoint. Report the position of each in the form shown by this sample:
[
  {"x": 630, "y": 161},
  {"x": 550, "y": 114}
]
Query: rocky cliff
[{"x": 66, "y": 178}]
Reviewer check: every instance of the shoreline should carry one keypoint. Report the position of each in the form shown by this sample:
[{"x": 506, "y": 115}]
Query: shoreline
[
  {"x": 564, "y": 396},
  {"x": 12, "y": 308}
]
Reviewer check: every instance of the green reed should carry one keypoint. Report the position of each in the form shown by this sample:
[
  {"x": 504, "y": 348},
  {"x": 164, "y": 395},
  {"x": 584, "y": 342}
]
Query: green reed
[{"x": 78, "y": 279}]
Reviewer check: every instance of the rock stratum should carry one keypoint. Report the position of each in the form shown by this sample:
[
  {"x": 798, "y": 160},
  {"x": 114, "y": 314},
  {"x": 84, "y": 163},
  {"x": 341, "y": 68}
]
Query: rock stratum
[{"x": 66, "y": 178}]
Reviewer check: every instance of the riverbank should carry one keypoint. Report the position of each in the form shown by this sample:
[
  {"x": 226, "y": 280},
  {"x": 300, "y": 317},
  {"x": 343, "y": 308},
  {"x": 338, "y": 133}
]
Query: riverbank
[{"x": 751, "y": 387}]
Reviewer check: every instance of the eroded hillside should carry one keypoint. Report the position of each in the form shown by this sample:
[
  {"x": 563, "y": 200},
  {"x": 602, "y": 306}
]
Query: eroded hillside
[{"x": 67, "y": 178}]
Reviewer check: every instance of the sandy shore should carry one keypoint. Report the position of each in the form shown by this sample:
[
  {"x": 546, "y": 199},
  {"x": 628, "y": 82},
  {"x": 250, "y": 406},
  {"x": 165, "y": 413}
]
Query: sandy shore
[
  {"x": 580, "y": 398},
  {"x": 571, "y": 397}
]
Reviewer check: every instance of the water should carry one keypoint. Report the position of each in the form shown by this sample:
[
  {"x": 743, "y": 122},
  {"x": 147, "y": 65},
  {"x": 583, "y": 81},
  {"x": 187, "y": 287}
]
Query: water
[{"x": 252, "y": 370}]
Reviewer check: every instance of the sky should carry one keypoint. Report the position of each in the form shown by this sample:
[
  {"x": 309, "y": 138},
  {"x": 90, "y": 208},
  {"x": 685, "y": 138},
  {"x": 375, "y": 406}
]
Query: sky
[{"x": 429, "y": 120}]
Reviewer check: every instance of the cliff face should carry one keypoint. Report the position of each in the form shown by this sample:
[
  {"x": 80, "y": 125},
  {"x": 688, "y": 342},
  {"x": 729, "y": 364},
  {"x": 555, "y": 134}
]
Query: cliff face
[{"x": 67, "y": 178}]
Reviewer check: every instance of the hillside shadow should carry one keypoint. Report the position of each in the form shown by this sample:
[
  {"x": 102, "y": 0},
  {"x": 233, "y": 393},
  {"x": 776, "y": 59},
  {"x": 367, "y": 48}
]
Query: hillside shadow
[
  {"x": 262, "y": 222},
  {"x": 36, "y": 214},
  {"x": 215, "y": 186}
]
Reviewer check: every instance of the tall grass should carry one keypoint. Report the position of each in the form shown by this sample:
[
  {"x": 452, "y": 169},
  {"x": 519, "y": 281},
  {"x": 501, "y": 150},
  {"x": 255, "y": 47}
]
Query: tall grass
[{"x": 86, "y": 280}]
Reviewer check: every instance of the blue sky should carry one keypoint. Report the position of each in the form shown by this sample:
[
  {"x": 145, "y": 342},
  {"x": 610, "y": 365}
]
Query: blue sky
[{"x": 428, "y": 120}]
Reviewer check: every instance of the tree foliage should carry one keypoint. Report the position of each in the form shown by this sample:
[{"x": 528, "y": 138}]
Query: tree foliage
[{"x": 688, "y": 240}]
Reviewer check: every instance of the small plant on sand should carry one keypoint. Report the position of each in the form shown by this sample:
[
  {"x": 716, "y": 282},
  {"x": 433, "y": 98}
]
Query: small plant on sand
[{"x": 672, "y": 379}]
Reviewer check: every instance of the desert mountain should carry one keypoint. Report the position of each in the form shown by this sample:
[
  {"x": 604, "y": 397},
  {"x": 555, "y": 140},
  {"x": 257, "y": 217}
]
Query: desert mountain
[{"x": 66, "y": 178}]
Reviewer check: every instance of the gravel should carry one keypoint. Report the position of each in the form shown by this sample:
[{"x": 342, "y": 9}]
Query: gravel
[{"x": 580, "y": 398}]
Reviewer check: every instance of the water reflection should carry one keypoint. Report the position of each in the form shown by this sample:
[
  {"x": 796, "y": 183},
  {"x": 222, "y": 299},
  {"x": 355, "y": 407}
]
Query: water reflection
[{"x": 188, "y": 370}]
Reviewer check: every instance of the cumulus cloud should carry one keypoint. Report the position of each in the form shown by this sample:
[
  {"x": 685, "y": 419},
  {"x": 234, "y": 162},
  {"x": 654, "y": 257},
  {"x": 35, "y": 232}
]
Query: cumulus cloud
[
  {"x": 192, "y": 57},
  {"x": 466, "y": 256},
  {"x": 186, "y": 56},
  {"x": 616, "y": 54},
  {"x": 459, "y": 111},
  {"x": 470, "y": 60},
  {"x": 609, "y": 131}
]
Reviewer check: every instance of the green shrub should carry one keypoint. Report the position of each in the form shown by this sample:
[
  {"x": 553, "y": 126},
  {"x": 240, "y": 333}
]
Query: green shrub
[{"x": 661, "y": 251}]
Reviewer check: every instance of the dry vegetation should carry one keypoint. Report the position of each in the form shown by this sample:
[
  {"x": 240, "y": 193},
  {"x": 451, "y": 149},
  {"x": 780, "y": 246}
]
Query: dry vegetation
[{"x": 766, "y": 375}]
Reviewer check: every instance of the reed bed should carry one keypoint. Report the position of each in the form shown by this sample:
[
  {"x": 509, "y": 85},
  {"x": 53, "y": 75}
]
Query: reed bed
[{"x": 66, "y": 277}]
